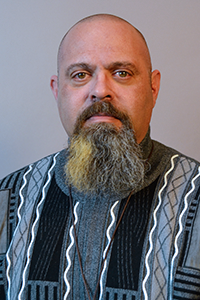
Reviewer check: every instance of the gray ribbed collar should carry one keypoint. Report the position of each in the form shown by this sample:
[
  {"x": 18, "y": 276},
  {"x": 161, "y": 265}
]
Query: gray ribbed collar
[{"x": 146, "y": 145}]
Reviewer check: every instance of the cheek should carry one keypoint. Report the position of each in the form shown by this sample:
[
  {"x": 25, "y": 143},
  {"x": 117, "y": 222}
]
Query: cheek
[
  {"x": 69, "y": 108},
  {"x": 137, "y": 103},
  {"x": 66, "y": 113},
  {"x": 143, "y": 98}
]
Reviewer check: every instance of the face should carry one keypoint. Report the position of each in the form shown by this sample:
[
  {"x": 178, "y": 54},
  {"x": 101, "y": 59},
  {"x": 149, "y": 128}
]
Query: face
[{"x": 105, "y": 60}]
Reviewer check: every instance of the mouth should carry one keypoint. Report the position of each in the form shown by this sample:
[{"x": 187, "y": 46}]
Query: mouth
[
  {"x": 102, "y": 117},
  {"x": 101, "y": 113}
]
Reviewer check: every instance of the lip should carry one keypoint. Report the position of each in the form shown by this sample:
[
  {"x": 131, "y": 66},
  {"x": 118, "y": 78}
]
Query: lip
[{"x": 103, "y": 118}]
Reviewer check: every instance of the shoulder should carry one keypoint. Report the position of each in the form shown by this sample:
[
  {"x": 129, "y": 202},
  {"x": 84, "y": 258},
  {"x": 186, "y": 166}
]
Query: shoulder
[
  {"x": 14, "y": 180},
  {"x": 169, "y": 153},
  {"x": 25, "y": 183},
  {"x": 166, "y": 161}
]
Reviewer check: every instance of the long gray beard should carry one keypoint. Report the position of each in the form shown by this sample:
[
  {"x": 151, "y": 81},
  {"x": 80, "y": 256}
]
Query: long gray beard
[{"x": 105, "y": 158}]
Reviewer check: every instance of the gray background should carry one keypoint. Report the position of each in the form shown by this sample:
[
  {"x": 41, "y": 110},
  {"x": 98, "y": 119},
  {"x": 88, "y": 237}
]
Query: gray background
[{"x": 30, "y": 32}]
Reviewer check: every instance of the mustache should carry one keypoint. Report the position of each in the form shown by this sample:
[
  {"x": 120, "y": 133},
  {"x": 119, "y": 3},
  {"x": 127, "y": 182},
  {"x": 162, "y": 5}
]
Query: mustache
[{"x": 105, "y": 108}]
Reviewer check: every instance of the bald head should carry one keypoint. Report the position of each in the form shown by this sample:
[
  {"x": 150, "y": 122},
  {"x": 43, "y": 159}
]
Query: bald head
[
  {"x": 99, "y": 20},
  {"x": 104, "y": 57}
]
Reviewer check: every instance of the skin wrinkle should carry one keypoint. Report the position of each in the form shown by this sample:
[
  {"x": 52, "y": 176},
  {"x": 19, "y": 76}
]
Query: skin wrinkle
[
  {"x": 108, "y": 17},
  {"x": 104, "y": 86},
  {"x": 91, "y": 68},
  {"x": 131, "y": 87},
  {"x": 101, "y": 108}
]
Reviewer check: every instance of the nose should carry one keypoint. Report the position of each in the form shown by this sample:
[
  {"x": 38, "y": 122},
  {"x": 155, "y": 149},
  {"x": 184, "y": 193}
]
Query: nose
[{"x": 101, "y": 88}]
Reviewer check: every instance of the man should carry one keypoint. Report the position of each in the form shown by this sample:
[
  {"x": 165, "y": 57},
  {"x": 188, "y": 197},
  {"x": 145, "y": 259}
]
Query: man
[{"x": 116, "y": 215}]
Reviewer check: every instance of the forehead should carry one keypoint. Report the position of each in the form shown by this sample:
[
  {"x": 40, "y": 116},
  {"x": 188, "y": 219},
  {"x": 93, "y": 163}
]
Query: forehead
[{"x": 103, "y": 39}]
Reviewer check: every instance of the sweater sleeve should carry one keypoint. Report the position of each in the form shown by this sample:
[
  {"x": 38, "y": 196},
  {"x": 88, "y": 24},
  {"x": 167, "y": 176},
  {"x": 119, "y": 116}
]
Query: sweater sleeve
[{"x": 9, "y": 202}]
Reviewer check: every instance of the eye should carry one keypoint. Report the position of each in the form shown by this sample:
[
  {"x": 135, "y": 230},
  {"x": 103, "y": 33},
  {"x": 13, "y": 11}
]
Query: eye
[
  {"x": 80, "y": 75},
  {"x": 122, "y": 74}
]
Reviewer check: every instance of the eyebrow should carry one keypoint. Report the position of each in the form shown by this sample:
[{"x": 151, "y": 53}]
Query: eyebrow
[
  {"x": 83, "y": 66},
  {"x": 123, "y": 64},
  {"x": 112, "y": 66}
]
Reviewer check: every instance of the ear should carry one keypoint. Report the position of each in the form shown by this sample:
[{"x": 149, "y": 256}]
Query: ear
[
  {"x": 155, "y": 84},
  {"x": 54, "y": 86}
]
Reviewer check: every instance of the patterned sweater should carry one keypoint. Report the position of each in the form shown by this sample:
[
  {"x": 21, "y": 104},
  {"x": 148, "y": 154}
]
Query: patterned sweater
[{"x": 156, "y": 250}]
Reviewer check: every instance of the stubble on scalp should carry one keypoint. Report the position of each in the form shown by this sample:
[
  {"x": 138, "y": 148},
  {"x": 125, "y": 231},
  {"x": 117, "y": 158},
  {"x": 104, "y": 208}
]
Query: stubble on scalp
[{"x": 103, "y": 157}]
